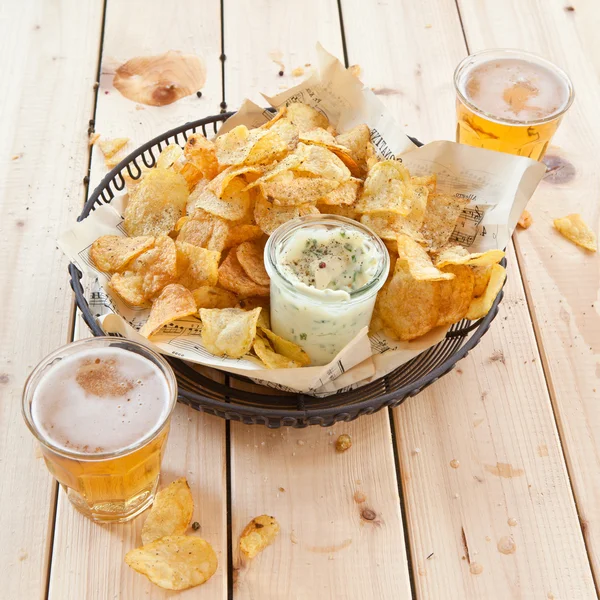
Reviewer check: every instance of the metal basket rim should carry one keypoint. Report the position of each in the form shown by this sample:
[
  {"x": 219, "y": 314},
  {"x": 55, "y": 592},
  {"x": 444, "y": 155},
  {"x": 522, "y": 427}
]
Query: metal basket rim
[{"x": 224, "y": 406}]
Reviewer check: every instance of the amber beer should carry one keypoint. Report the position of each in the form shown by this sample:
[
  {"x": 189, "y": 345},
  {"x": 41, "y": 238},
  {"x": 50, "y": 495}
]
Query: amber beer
[
  {"x": 510, "y": 101},
  {"x": 100, "y": 409}
]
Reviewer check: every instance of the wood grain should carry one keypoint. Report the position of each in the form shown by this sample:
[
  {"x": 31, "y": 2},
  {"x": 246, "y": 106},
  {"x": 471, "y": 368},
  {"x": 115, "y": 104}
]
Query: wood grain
[
  {"x": 48, "y": 68},
  {"x": 88, "y": 558},
  {"x": 325, "y": 548},
  {"x": 561, "y": 280},
  {"x": 492, "y": 415}
]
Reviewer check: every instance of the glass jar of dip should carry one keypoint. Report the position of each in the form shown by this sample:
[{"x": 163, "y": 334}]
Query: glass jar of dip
[{"x": 325, "y": 273}]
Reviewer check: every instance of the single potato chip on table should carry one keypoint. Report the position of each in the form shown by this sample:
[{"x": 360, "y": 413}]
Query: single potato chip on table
[
  {"x": 258, "y": 534},
  {"x": 171, "y": 512},
  {"x": 228, "y": 331},
  {"x": 175, "y": 562},
  {"x": 175, "y": 302},
  {"x": 576, "y": 230}
]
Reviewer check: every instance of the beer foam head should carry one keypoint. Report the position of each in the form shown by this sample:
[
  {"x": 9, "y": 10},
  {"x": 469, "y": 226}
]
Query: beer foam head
[
  {"x": 100, "y": 400},
  {"x": 514, "y": 89}
]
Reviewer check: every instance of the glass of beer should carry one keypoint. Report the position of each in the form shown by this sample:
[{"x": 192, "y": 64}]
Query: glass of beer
[
  {"x": 100, "y": 409},
  {"x": 510, "y": 101}
]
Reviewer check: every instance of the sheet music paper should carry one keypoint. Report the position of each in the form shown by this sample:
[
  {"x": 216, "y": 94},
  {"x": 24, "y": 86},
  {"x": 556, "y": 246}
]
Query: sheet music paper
[{"x": 497, "y": 185}]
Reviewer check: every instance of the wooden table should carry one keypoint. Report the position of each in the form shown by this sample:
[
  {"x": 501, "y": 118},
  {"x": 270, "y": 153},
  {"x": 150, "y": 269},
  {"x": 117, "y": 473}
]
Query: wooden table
[{"x": 518, "y": 518}]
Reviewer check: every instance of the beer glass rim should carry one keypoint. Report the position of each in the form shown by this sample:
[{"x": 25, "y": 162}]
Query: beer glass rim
[
  {"x": 513, "y": 53},
  {"x": 47, "y": 361}
]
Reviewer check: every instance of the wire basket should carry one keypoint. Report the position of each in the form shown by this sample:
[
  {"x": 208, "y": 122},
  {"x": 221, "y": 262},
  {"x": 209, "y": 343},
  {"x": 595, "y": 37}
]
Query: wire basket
[{"x": 236, "y": 397}]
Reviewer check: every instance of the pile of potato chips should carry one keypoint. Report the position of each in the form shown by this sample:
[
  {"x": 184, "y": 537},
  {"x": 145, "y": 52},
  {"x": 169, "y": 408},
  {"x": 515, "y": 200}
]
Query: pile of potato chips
[
  {"x": 200, "y": 218},
  {"x": 169, "y": 558}
]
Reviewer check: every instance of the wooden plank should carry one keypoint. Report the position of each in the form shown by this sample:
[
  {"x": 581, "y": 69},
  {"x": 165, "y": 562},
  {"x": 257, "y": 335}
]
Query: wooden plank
[
  {"x": 492, "y": 414},
  {"x": 48, "y": 66},
  {"x": 325, "y": 546},
  {"x": 562, "y": 280},
  {"x": 88, "y": 559}
]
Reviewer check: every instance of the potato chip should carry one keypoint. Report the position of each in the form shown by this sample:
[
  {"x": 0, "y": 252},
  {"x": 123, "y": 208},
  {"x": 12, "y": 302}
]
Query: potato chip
[
  {"x": 319, "y": 135},
  {"x": 285, "y": 130},
  {"x": 343, "y": 210},
  {"x": 175, "y": 562},
  {"x": 157, "y": 266},
  {"x": 455, "y": 295},
  {"x": 232, "y": 206},
  {"x": 129, "y": 287},
  {"x": 191, "y": 174},
  {"x": 221, "y": 182},
  {"x": 202, "y": 153},
  {"x": 321, "y": 162},
  {"x": 169, "y": 156},
  {"x": 346, "y": 193},
  {"x": 305, "y": 117},
  {"x": 232, "y": 277},
  {"x": 242, "y": 146},
  {"x": 258, "y": 534},
  {"x": 441, "y": 215},
  {"x": 228, "y": 331},
  {"x": 174, "y": 302},
  {"x": 525, "y": 220},
  {"x": 417, "y": 260},
  {"x": 251, "y": 256},
  {"x": 386, "y": 189},
  {"x": 288, "y": 189},
  {"x": 251, "y": 303},
  {"x": 205, "y": 230},
  {"x": 482, "y": 276},
  {"x": 269, "y": 217},
  {"x": 389, "y": 225},
  {"x": 238, "y": 234},
  {"x": 209, "y": 296},
  {"x": 171, "y": 512},
  {"x": 287, "y": 348},
  {"x": 480, "y": 306},
  {"x": 576, "y": 230},
  {"x": 429, "y": 181},
  {"x": 110, "y": 147},
  {"x": 112, "y": 252},
  {"x": 457, "y": 255},
  {"x": 408, "y": 308},
  {"x": 156, "y": 203},
  {"x": 357, "y": 140},
  {"x": 324, "y": 138},
  {"x": 196, "y": 266},
  {"x": 270, "y": 358}
]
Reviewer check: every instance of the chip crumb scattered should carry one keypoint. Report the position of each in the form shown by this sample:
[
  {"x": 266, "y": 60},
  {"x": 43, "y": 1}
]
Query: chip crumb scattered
[
  {"x": 94, "y": 137},
  {"x": 282, "y": 489},
  {"x": 343, "y": 443},
  {"x": 525, "y": 220},
  {"x": 298, "y": 72},
  {"x": 355, "y": 70},
  {"x": 428, "y": 26}
]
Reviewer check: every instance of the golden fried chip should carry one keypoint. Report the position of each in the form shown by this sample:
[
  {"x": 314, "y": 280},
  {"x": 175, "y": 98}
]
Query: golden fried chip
[
  {"x": 196, "y": 266},
  {"x": 191, "y": 174},
  {"x": 174, "y": 302},
  {"x": 389, "y": 225},
  {"x": 480, "y": 306},
  {"x": 233, "y": 205},
  {"x": 175, "y": 562},
  {"x": 417, "y": 260},
  {"x": 110, "y": 147},
  {"x": 228, "y": 331},
  {"x": 221, "y": 182},
  {"x": 238, "y": 234},
  {"x": 129, "y": 287},
  {"x": 305, "y": 117},
  {"x": 407, "y": 307},
  {"x": 157, "y": 266},
  {"x": 112, "y": 252},
  {"x": 456, "y": 255},
  {"x": 242, "y": 146},
  {"x": 318, "y": 135},
  {"x": 289, "y": 189},
  {"x": 269, "y": 217},
  {"x": 171, "y": 512},
  {"x": 321, "y": 162},
  {"x": 482, "y": 276},
  {"x": 202, "y": 153},
  {"x": 232, "y": 277},
  {"x": 258, "y": 534},
  {"x": 156, "y": 203},
  {"x": 287, "y": 348},
  {"x": 251, "y": 256},
  {"x": 576, "y": 230},
  {"x": 270, "y": 358},
  {"x": 346, "y": 193},
  {"x": 386, "y": 189},
  {"x": 429, "y": 181},
  {"x": 324, "y": 138},
  {"x": 441, "y": 215},
  {"x": 525, "y": 220},
  {"x": 205, "y": 230},
  {"x": 358, "y": 142},
  {"x": 343, "y": 210},
  {"x": 456, "y": 294},
  {"x": 169, "y": 156},
  {"x": 209, "y": 296},
  {"x": 264, "y": 320}
]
